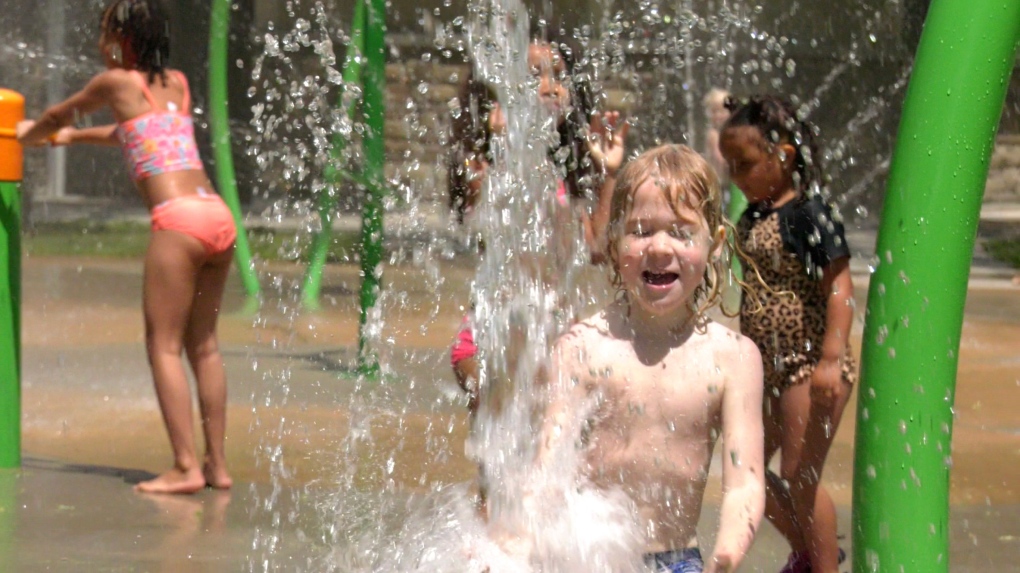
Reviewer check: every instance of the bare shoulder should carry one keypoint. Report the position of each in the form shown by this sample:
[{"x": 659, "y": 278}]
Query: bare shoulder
[
  {"x": 116, "y": 77},
  {"x": 723, "y": 338},
  {"x": 590, "y": 329},
  {"x": 737, "y": 351},
  {"x": 586, "y": 337}
]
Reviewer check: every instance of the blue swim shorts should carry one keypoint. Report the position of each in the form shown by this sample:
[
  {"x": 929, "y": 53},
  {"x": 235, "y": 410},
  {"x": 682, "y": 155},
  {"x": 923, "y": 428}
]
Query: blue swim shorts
[{"x": 676, "y": 561}]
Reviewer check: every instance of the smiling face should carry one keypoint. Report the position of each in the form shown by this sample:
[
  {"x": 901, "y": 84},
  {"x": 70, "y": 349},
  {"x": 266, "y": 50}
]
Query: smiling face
[
  {"x": 762, "y": 170},
  {"x": 663, "y": 251},
  {"x": 548, "y": 67}
]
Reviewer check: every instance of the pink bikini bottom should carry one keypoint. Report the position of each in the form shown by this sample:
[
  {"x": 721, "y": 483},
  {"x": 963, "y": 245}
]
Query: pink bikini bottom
[
  {"x": 464, "y": 346},
  {"x": 205, "y": 217}
]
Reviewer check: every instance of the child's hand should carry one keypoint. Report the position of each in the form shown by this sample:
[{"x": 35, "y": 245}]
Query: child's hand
[
  {"x": 497, "y": 120},
  {"x": 62, "y": 137},
  {"x": 826, "y": 382},
  {"x": 23, "y": 128},
  {"x": 606, "y": 138},
  {"x": 476, "y": 168},
  {"x": 720, "y": 563}
]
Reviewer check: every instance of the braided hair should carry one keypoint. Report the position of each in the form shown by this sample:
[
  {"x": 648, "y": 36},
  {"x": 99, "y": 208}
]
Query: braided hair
[
  {"x": 143, "y": 26},
  {"x": 777, "y": 120}
]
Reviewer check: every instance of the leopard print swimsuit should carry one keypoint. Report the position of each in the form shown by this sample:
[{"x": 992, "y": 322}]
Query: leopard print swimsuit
[{"x": 790, "y": 327}]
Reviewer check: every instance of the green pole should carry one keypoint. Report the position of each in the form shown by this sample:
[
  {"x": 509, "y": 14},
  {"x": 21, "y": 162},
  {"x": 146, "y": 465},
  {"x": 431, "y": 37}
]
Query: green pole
[
  {"x": 12, "y": 110},
  {"x": 327, "y": 200},
  {"x": 219, "y": 28},
  {"x": 375, "y": 155},
  {"x": 8, "y": 515},
  {"x": 10, "y": 324},
  {"x": 916, "y": 298},
  {"x": 731, "y": 290},
  {"x": 734, "y": 210}
]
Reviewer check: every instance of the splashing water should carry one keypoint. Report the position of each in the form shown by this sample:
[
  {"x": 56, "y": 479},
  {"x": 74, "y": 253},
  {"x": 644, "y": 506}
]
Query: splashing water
[{"x": 530, "y": 284}]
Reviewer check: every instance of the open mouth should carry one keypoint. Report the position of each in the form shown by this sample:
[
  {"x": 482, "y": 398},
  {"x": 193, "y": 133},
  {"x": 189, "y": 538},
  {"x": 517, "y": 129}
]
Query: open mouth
[{"x": 659, "y": 279}]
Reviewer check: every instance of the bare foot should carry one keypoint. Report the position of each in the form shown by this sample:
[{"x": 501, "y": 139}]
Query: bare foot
[
  {"x": 173, "y": 481},
  {"x": 216, "y": 477}
]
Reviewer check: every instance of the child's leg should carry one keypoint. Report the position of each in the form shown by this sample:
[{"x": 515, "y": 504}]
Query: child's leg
[
  {"x": 807, "y": 436},
  {"x": 466, "y": 371},
  {"x": 171, "y": 265},
  {"x": 202, "y": 347},
  {"x": 778, "y": 504}
]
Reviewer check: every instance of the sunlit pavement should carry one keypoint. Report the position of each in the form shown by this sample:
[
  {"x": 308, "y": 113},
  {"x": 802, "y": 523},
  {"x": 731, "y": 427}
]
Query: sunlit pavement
[{"x": 91, "y": 426}]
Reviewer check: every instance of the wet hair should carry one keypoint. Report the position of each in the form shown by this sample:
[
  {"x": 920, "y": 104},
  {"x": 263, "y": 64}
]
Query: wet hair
[
  {"x": 777, "y": 120},
  {"x": 685, "y": 178},
  {"x": 143, "y": 26},
  {"x": 471, "y": 134}
]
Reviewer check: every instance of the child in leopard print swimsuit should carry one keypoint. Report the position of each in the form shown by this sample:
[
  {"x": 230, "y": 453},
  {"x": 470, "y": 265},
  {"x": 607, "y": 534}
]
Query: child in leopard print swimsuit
[{"x": 803, "y": 324}]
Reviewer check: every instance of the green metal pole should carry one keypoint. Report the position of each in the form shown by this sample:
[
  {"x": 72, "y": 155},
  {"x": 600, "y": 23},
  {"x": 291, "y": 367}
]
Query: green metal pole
[
  {"x": 9, "y": 479},
  {"x": 734, "y": 210},
  {"x": 10, "y": 325},
  {"x": 375, "y": 155},
  {"x": 12, "y": 110},
  {"x": 219, "y": 28},
  {"x": 916, "y": 298},
  {"x": 327, "y": 200}
]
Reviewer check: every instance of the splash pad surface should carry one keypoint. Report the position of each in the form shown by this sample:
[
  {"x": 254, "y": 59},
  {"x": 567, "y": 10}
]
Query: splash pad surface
[{"x": 90, "y": 429}]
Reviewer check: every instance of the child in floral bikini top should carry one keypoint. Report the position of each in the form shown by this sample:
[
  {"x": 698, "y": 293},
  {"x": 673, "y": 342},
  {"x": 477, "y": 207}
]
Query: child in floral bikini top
[{"x": 193, "y": 231}]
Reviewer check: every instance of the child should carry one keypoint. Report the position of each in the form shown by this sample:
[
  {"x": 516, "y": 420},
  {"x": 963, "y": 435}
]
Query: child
[
  {"x": 660, "y": 380},
  {"x": 792, "y": 237},
  {"x": 716, "y": 114},
  {"x": 589, "y": 152},
  {"x": 193, "y": 231}
]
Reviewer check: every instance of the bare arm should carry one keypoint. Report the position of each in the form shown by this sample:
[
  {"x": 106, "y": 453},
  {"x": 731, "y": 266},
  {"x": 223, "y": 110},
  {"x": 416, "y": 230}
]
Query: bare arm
[
  {"x": 553, "y": 455},
  {"x": 96, "y": 94},
  {"x": 596, "y": 225},
  {"x": 743, "y": 465},
  {"x": 839, "y": 310},
  {"x": 839, "y": 315},
  {"x": 606, "y": 143},
  {"x": 99, "y": 135},
  {"x": 561, "y": 422}
]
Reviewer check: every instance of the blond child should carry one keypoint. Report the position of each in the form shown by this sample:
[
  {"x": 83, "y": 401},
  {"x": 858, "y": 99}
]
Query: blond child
[{"x": 644, "y": 388}]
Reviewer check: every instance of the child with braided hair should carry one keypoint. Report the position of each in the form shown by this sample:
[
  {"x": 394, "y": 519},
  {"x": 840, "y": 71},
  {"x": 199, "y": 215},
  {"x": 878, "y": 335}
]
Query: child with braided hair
[{"x": 802, "y": 316}]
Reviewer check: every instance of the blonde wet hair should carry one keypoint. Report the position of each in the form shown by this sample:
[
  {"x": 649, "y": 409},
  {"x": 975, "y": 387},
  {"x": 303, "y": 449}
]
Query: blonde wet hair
[{"x": 685, "y": 178}]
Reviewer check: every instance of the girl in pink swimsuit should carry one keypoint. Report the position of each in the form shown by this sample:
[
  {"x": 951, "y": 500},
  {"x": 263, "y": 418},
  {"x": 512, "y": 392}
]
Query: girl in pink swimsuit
[
  {"x": 590, "y": 150},
  {"x": 193, "y": 231}
]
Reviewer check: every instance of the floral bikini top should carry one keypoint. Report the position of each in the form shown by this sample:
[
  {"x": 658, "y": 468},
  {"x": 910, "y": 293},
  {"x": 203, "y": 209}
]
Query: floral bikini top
[{"x": 159, "y": 141}]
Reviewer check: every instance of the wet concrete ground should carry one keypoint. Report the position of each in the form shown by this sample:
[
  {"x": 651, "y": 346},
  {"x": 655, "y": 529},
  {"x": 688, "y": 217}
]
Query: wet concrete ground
[{"x": 91, "y": 426}]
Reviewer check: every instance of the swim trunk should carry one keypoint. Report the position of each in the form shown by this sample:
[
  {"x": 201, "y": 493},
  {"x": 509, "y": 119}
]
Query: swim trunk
[
  {"x": 464, "y": 346},
  {"x": 676, "y": 561},
  {"x": 204, "y": 216}
]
